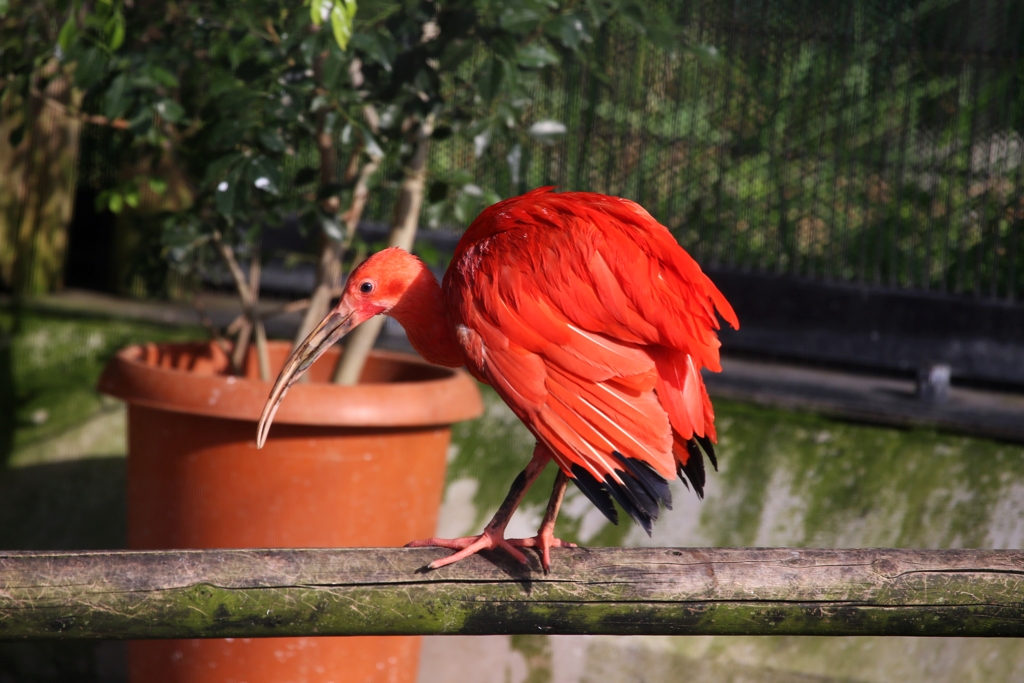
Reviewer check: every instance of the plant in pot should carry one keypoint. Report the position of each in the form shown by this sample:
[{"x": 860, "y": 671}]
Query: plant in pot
[{"x": 265, "y": 111}]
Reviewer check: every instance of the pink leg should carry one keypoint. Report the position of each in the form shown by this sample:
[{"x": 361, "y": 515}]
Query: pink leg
[
  {"x": 545, "y": 539},
  {"x": 493, "y": 535}
]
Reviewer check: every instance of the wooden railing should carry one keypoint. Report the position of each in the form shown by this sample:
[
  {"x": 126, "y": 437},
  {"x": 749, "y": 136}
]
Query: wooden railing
[{"x": 252, "y": 593}]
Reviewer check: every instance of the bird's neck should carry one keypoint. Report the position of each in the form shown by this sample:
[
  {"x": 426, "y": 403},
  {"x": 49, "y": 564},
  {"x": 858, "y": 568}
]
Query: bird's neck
[{"x": 425, "y": 318}]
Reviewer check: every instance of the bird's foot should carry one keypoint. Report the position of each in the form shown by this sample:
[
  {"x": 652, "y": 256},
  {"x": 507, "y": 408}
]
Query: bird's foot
[
  {"x": 469, "y": 545},
  {"x": 544, "y": 541}
]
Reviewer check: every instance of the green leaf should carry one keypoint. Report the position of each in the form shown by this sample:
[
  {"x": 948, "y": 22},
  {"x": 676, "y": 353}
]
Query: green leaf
[
  {"x": 455, "y": 53},
  {"x": 490, "y": 78},
  {"x": 158, "y": 185},
  {"x": 131, "y": 197},
  {"x": 519, "y": 18},
  {"x": 467, "y": 204},
  {"x": 378, "y": 46},
  {"x": 342, "y": 14},
  {"x": 536, "y": 56},
  {"x": 162, "y": 76},
  {"x": 91, "y": 68},
  {"x": 114, "y": 101},
  {"x": 316, "y": 11},
  {"x": 224, "y": 196},
  {"x": 373, "y": 149},
  {"x": 115, "y": 31},
  {"x": 570, "y": 30},
  {"x": 272, "y": 140},
  {"x": 265, "y": 175},
  {"x": 116, "y": 202},
  {"x": 170, "y": 110},
  {"x": 217, "y": 169},
  {"x": 68, "y": 34}
]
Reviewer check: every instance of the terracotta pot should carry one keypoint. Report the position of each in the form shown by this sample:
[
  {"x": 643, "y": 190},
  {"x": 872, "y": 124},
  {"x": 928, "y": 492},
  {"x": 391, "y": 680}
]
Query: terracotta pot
[{"x": 358, "y": 466}]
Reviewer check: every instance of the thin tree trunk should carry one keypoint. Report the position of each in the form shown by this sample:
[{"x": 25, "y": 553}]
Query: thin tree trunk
[
  {"x": 38, "y": 187},
  {"x": 248, "y": 294},
  {"x": 403, "y": 234}
]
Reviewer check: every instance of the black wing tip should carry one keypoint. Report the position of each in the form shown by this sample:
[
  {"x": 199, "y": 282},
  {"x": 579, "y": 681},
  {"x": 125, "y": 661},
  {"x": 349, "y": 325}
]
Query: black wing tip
[
  {"x": 694, "y": 468},
  {"x": 595, "y": 491},
  {"x": 641, "y": 492},
  {"x": 709, "y": 448},
  {"x": 647, "y": 481}
]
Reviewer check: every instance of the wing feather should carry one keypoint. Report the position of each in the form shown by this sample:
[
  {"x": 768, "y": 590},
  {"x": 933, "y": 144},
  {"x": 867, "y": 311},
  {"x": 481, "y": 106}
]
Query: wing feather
[{"x": 593, "y": 325}]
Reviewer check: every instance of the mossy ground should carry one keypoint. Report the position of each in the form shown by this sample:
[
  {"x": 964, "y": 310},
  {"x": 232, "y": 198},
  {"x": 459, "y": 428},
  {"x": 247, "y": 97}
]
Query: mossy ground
[{"x": 49, "y": 365}]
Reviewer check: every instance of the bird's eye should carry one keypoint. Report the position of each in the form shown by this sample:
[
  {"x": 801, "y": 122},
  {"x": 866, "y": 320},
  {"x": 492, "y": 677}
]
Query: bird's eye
[{"x": 366, "y": 287}]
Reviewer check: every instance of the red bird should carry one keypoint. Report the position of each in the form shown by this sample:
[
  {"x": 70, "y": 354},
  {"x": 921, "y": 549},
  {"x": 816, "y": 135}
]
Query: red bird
[{"x": 590, "y": 322}]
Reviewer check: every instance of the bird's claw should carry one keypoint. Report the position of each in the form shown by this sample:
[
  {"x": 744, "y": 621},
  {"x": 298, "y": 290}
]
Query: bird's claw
[
  {"x": 544, "y": 542},
  {"x": 468, "y": 545}
]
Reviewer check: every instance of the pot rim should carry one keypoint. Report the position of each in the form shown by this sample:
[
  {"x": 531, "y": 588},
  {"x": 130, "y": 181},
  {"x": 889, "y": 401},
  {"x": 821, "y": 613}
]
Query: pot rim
[{"x": 451, "y": 397}]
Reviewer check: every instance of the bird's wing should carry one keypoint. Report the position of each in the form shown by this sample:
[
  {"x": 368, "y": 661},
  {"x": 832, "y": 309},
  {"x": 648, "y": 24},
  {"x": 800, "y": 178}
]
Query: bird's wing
[
  {"x": 589, "y": 398},
  {"x": 593, "y": 328}
]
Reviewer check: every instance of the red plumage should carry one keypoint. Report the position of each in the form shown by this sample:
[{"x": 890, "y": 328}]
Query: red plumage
[{"x": 590, "y": 322}]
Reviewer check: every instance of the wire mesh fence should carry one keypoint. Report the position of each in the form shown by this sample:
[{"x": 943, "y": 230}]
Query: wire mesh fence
[
  {"x": 874, "y": 142},
  {"x": 871, "y": 142}
]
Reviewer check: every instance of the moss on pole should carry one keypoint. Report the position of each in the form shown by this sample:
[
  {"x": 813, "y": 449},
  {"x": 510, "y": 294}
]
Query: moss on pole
[{"x": 671, "y": 591}]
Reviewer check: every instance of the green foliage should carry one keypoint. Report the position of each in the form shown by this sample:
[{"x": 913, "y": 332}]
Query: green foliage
[{"x": 244, "y": 98}]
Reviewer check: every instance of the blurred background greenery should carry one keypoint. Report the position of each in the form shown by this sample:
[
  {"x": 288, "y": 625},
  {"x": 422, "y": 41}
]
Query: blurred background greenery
[{"x": 873, "y": 142}]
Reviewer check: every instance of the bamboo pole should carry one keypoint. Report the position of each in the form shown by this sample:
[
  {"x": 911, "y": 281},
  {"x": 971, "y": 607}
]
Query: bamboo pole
[{"x": 671, "y": 591}]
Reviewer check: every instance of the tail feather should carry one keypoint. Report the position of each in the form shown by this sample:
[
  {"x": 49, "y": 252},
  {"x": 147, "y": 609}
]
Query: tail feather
[
  {"x": 638, "y": 489},
  {"x": 693, "y": 467}
]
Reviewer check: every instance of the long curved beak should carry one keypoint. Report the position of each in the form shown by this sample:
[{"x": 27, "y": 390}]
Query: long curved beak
[{"x": 332, "y": 328}]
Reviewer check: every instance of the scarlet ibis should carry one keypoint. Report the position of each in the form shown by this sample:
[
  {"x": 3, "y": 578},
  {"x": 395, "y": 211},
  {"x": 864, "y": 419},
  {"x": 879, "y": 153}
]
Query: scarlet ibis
[{"x": 591, "y": 323}]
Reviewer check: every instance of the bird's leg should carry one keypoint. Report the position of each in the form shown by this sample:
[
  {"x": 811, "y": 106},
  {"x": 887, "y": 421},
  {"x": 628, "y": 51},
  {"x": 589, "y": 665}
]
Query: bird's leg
[
  {"x": 493, "y": 535},
  {"x": 545, "y": 539}
]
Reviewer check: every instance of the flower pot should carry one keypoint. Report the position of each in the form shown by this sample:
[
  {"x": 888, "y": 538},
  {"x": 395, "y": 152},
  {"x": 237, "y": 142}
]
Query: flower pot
[{"x": 358, "y": 466}]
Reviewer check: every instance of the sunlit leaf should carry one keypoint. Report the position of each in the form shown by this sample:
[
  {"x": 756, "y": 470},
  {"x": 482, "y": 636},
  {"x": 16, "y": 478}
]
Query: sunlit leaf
[
  {"x": 115, "y": 31},
  {"x": 547, "y": 131},
  {"x": 131, "y": 197},
  {"x": 265, "y": 175},
  {"x": 480, "y": 142},
  {"x": 536, "y": 56},
  {"x": 342, "y": 14},
  {"x": 331, "y": 227},
  {"x": 372, "y": 148},
  {"x": 316, "y": 11},
  {"x": 170, "y": 110}
]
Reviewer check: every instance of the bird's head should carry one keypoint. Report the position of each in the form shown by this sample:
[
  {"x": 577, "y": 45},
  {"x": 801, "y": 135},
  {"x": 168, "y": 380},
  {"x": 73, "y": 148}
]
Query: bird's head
[{"x": 381, "y": 284}]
